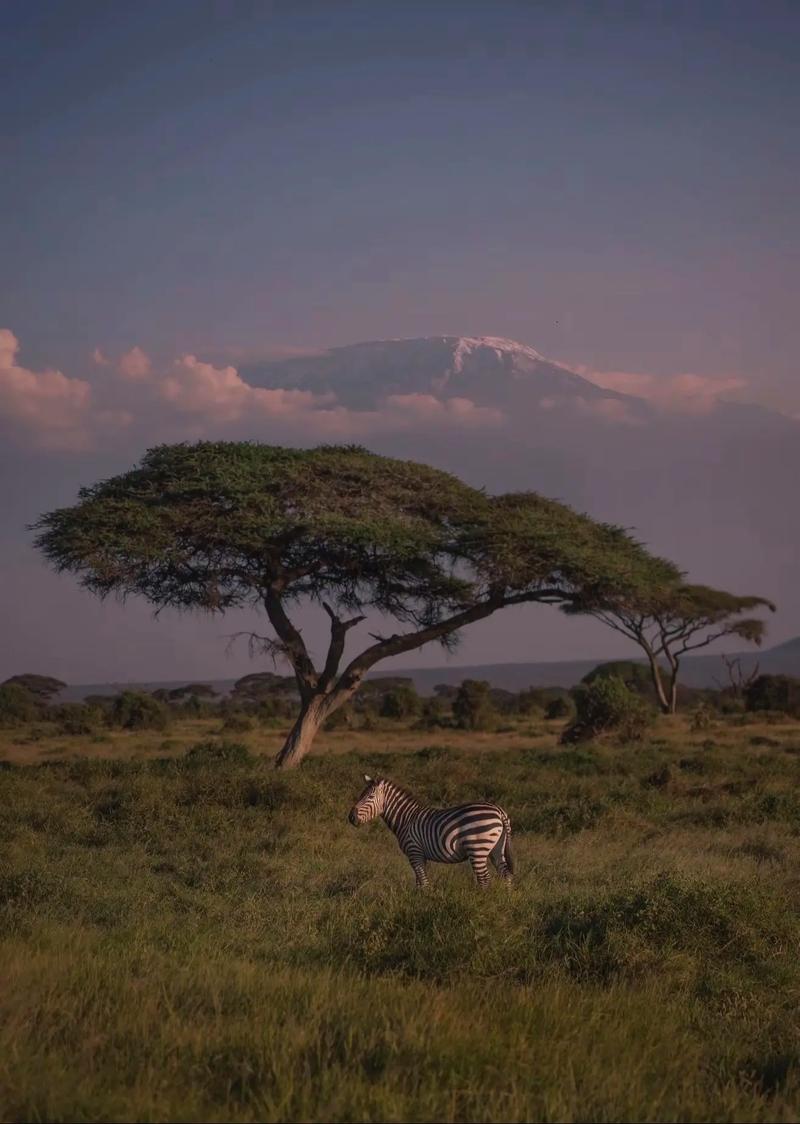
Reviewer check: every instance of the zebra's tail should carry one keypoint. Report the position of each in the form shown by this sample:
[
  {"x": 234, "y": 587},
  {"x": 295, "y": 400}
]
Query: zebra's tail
[{"x": 508, "y": 853}]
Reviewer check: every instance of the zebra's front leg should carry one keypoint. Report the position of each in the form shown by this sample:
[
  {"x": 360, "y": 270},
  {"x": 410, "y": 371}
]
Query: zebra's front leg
[{"x": 480, "y": 868}]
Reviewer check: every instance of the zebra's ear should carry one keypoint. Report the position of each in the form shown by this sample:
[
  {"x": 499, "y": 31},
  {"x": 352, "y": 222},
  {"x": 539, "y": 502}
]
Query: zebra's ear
[{"x": 367, "y": 779}]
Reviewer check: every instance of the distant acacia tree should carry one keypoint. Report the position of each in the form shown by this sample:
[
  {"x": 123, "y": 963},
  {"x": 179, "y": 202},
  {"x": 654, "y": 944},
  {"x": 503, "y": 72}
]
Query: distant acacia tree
[
  {"x": 667, "y": 623},
  {"x": 192, "y": 691},
  {"x": 223, "y": 525},
  {"x": 42, "y": 687},
  {"x": 472, "y": 707}
]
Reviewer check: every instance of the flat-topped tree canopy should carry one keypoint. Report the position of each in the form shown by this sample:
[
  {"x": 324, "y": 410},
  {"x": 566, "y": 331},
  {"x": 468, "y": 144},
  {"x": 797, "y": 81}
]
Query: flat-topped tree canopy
[
  {"x": 668, "y": 621},
  {"x": 220, "y": 525}
]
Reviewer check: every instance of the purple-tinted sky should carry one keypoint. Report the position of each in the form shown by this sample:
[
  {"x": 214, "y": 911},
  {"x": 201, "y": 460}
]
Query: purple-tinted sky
[{"x": 613, "y": 183}]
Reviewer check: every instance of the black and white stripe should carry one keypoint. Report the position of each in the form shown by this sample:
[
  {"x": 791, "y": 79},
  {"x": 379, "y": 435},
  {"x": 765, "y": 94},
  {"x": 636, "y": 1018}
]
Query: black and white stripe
[{"x": 478, "y": 832}]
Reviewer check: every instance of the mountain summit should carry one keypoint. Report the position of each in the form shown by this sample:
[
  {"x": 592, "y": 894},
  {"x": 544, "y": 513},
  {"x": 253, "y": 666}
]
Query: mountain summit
[{"x": 489, "y": 370}]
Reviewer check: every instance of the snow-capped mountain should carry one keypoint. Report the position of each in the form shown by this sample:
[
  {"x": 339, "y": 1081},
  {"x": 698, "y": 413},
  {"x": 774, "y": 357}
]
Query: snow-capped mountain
[
  {"x": 486, "y": 369},
  {"x": 712, "y": 488}
]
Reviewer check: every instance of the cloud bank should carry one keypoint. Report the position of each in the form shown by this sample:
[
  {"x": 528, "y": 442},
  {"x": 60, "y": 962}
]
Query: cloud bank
[
  {"x": 189, "y": 398},
  {"x": 682, "y": 393},
  {"x": 46, "y": 408}
]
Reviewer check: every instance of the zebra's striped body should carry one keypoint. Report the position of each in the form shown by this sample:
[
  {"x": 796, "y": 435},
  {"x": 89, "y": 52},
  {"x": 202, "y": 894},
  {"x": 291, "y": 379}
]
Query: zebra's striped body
[{"x": 480, "y": 833}]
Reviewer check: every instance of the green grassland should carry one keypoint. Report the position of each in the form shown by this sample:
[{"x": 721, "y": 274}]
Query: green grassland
[{"x": 193, "y": 936}]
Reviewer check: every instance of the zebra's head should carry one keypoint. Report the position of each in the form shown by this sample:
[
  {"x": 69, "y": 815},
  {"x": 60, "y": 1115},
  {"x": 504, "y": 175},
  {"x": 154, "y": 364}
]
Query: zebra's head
[{"x": 370, "y": 802}]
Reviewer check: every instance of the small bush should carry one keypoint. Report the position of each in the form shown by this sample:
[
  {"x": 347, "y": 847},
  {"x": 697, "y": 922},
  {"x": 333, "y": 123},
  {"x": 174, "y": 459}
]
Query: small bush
[
  {"x": 560, "y": 708},
  {"x": 472, "y": 706},
  {"x": 779, "y": 693},
  {"x": 400, "y": 703},
  {"x": 133, "y": 710},
  {"x": 434, "y": 714},
  {"x": 218, "y": 753},
  {"x": 702, "y": 718},
  {"x": 607, "y": 706},
  {"x": 237, "y": 724},
  {"x": 77, "y": 719},
  {"x": 17, "y": 705}
]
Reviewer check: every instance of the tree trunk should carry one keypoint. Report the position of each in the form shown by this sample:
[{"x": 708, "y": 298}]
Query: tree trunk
[
  {"x": 673, "y": 685},
  {"x": 311, "y": 717},
  {"x": 302, "y": 734},
  {"x": 655, "y": 671},
  {"x": 673, "y": 697}
]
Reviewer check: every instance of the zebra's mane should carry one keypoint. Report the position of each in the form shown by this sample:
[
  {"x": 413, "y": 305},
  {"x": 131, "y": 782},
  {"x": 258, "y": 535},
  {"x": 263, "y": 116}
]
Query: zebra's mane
[{"x": 403, "y": 791}]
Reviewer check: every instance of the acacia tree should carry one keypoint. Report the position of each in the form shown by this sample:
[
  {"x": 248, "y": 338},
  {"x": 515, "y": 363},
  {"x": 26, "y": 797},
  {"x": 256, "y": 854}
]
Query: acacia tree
[
  {"x": 678, "y": 618},
  {"x": 42, "y": 687},
  {"x": 222, "y": 525}
]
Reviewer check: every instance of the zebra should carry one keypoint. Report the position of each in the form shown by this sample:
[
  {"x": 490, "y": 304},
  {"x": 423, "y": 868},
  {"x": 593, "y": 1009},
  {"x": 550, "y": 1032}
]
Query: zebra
[{"x": 478, "y": 832}]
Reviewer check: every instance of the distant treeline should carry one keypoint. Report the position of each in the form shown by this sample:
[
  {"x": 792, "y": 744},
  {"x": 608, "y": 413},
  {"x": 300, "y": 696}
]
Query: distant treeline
[{"x": 618, "y": 695}]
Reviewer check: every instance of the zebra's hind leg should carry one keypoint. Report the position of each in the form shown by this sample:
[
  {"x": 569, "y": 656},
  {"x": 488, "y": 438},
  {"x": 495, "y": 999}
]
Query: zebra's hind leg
[
  {"x": 418, "y": 866},
  {"x": 498, "y": 857},
  {"x": 480, "y": 868}
]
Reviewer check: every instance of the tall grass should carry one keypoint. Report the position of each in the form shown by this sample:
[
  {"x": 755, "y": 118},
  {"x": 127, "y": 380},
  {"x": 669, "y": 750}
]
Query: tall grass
[{"x": 196, "y": 937}]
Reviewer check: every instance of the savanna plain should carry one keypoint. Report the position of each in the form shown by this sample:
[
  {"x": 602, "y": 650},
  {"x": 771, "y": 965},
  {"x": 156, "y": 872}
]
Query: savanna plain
[{"x": 186, "y": 934}]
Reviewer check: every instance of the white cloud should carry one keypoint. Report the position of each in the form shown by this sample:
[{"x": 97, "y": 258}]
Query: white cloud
[
  {"x": 53, "y": 410},
  {"x": 682, "y": 393},
  {"x": 222, "y": 395},
  {"x": 615, "y": 410},
  {"x": 135, "y": 364},
  {"x": 425, "y": 408}
]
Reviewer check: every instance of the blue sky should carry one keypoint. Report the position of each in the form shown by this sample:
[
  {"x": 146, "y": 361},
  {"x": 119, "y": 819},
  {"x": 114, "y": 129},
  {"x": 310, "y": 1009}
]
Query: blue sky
[{"x": 612, "y": 183}]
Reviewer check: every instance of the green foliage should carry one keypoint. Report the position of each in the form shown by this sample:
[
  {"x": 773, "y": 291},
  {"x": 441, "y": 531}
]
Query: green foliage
[
  {"x": 275, "y": 706},
  {"x": 195, "y": 706},
  {"x": 434, "y": 713},
  {"x": 216, "y": 526},
  {"x": 671, "y": 618},
  {"x": 237, "y": 723},
  {"x": 17, "y": 706},
  {"x": 212, "y": 525},
  {"x": 560, "y": 708},
  {"x": 636, "y": 676},
  {"x": 42, "y": 687},
  {"x": 78, "y": 718},
  {"x": 372, "y": 691},
  {"x": 607, "y": 705},
  {"x": 134, "y": 710},
  {"x": 255, "y": 688},
  {"x": 400, "y": 703},
  {"x": 780, "y": 693},
  {"x": 192, "y": 691},
  {"x": 217, "y": 753},
  {"x": 200, "y": 938},
  {"x": 472, "y": 706},
  {"x": 702, "y": 718}
]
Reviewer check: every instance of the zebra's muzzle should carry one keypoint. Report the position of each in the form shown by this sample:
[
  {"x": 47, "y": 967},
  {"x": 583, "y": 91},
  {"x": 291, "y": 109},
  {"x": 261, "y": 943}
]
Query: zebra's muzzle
[{"x": 353, "y": 817}]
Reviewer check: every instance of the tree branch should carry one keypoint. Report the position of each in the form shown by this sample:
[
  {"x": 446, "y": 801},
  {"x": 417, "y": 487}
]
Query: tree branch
[
  {"x": 339, "y": 630},
  {"x": 293, "y": 644},
  {"x": 408, "y": 641},
  {"x": 259, "y": 645}
]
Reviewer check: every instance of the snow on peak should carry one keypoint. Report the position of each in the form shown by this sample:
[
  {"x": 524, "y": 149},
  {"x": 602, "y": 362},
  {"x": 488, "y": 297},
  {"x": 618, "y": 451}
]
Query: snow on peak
[{"x": 465, "y": 344}]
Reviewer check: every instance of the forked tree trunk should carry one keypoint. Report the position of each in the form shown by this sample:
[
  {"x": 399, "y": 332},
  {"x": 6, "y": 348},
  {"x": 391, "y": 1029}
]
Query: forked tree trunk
[
  {"x": 309, "y": 721},
  {"x": 673, "y": 697},
  {"x": 667, "y": 693},
  {"x": 664, "y": 701},
  {"x": 673, "y": 685}
]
